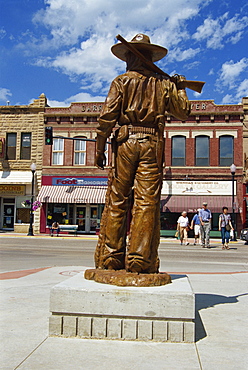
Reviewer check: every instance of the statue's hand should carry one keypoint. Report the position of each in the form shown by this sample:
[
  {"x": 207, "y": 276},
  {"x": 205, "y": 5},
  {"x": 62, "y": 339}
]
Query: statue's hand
[
  {"x": 100, "y": 160},
  {"x": 178, "y": 79}
]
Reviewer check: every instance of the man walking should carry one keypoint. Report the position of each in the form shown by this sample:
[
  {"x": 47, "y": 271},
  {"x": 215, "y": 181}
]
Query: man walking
[
  {"x": 205, "y": 220},
  {"x": 137, "y": 101},
  {"x": 195, "y": 225}
]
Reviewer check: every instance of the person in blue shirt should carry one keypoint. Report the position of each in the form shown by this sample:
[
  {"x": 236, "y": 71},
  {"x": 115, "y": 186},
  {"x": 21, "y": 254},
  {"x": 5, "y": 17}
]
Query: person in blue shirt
[
  {"x": 205, "y": 225},
  {"x": 195, "y": 224}
]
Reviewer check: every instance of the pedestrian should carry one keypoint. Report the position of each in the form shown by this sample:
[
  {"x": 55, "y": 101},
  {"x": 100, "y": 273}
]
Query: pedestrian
[
  {"x": 195, "y": 225},
  {"x": 182, "y": 227},
  {"x": 138, "y": 102},
  {"x": 225, "y": 226},
  {"x": 55, "y": 227},
  {"x": 205, "y": 224}
]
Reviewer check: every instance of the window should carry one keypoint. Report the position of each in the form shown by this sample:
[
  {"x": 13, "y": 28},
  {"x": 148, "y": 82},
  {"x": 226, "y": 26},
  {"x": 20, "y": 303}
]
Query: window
[
  {"x": 25, "y": 145},
  {"x": 106, "y": 154},
  {"x": 178, "y": 150},
  {"x": 11, "y": 146},
  {"x": 58, "y": 151},
  {"x": 79, "y": 152},
  {"x": 226, "y": 150},
  {"x": 202, "y": 150}
]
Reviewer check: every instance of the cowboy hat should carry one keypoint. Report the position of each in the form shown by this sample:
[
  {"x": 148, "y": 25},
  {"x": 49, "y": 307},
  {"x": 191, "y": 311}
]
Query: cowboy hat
[{"x": 142, "y": 43}]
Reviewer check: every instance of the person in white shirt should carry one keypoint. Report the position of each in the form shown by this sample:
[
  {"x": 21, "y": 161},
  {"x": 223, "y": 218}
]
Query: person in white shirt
[{"x": 182, "y": 227}]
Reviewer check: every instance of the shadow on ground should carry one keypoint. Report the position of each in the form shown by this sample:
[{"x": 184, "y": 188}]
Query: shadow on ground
[{"x": 203, "y": 301}]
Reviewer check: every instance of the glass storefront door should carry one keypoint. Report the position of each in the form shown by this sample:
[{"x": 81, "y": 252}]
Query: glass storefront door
[
  {"x": 8, "y": 216},
  {"x": 81, "y": 218},
  {"x": 93, "y": 219}
]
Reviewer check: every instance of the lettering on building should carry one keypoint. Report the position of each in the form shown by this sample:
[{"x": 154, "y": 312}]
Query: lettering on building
[
  {"x": 198, "y": 106},
  {"x": 12, "y": 189},
  {"x": 92, "y": 108}
]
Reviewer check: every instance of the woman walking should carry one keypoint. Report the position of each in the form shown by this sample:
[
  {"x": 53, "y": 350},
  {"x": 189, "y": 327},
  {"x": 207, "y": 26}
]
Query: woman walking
[
  {"x": 182, "y": 226},
  {"x": 225, "y": 226}
]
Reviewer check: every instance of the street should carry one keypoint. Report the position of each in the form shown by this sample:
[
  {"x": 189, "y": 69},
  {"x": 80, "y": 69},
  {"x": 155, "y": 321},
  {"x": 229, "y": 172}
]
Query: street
[
  {"x": 215, "y": 276},
  {"x": 22, "y": 252}
]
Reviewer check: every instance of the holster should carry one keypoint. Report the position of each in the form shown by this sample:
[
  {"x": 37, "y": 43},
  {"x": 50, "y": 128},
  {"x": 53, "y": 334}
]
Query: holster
[
  {"x": 160, "y": 142},
  {"x": 122, "y": 133},
  {"x": 114, "y": 146}
]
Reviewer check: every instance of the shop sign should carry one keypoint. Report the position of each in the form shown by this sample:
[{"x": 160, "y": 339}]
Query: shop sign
[
  {"x": 198, "y": 187},
  {"x": 80, "y": 181},
  {"x": 12, "y": 189}
]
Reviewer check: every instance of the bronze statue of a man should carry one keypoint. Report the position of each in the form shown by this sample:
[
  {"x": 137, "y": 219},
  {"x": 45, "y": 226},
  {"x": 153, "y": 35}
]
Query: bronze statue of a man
[{"x": 137, "y": 103}]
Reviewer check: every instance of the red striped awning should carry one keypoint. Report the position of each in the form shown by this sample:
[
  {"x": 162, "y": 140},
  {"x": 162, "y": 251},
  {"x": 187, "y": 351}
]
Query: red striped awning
[
  {"x": 72, "y": 194},
  {"x": 190, "y": 203}
]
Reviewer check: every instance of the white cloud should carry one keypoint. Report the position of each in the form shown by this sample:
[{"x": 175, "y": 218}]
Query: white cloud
[
  {"x": 180, "y": 55},
  {"x": 231, "y": 71},
  {"x": 68, "y": 21},
  {"x": 228, "y": 99},
  {"x": 81, "y": 33},
  {"x": 4, "y": 94},
  {"x": 85, "y": 97},
  {"x": 215, "y": 31},
  {"x": 2, "y": 33},
  {"x": 242, "y": 90}
]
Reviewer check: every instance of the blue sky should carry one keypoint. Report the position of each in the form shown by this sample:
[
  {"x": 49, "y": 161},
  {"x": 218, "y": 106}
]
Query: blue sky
[{"x": 62, "y": 48}]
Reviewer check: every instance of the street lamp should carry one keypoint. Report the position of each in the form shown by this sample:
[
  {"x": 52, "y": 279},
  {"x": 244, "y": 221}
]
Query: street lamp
[
  {"x": 30, "y": 231},
  {"x": 233, "y": 170}
]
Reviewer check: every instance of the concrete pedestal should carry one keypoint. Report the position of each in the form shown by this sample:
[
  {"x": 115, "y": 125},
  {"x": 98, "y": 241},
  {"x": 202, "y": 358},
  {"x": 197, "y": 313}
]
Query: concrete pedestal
[{"x": 86, "y": 309}]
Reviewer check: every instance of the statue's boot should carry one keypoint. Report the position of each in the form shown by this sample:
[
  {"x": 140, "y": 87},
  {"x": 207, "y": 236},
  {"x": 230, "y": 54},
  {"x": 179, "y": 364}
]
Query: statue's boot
[{"x": 112, "y": 263}]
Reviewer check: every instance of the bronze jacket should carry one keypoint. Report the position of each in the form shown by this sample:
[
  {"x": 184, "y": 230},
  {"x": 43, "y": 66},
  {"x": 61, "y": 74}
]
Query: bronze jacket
[{"x": 141, "y": 98}]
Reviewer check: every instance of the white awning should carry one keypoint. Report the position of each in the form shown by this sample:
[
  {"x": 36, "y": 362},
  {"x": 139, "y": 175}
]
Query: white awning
[
  {"x": 72, "y": 194},
  {"x": 15, "y": 177}
]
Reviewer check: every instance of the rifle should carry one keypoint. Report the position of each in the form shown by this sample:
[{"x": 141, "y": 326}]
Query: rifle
[{"x": 193, "y": 85}]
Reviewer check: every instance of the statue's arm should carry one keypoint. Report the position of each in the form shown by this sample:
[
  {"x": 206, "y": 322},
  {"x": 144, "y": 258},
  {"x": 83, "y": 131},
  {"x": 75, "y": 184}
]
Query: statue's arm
[
  {"x": 178, "y": 103},
  {"x": 108, "y": 118}
]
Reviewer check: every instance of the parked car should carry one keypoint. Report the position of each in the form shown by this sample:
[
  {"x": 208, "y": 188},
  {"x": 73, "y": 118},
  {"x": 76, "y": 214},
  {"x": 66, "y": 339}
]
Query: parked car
[{"x": 244, "y": 235}]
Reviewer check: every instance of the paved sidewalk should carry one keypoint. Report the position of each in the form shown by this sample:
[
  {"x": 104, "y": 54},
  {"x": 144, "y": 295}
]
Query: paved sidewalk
[{"x": 221, "y": 329}]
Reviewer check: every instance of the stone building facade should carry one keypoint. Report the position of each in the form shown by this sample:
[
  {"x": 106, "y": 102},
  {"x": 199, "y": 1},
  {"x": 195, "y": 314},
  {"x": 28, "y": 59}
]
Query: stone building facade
[{"x": 21, "y": 144}]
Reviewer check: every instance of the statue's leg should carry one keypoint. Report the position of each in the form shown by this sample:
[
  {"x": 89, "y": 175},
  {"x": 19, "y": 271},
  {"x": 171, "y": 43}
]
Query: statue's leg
[
  {"x": 145, "y": 226},
  {"x": 114, "y": 250}
]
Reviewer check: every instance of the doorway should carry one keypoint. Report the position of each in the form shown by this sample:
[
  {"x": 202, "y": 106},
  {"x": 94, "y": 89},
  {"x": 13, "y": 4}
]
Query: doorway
[{"x": 8, "y": 213}]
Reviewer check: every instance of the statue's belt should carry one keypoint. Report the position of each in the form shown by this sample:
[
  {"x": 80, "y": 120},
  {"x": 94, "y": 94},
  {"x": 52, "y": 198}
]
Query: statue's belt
[
  {"x": 137, "y": 131},
  {"x": 142, "y": 130}
]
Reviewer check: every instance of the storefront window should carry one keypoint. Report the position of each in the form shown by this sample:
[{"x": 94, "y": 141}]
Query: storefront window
[
  {"x": 81, "y": 217},
  {"x": 57, "y": 212},
  {"x": 22, "y": 213},
  {"x": 226, "y": 150},
  {"x": 178, "y": 150},
  {"x": 106, "y": 154},
  {"x": 168, "y": 220},
  {"x": 202, "y": 151},
  {"x": 93, "y": 218}
]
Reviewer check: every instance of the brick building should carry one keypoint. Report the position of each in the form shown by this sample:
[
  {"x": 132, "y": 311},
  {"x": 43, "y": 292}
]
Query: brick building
[
  {"x": 198, "y": 155},
  {"x": 73, "y": 189},
  {"x": 21, "y": 144},
  {"x": 245, "y": 149}
]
